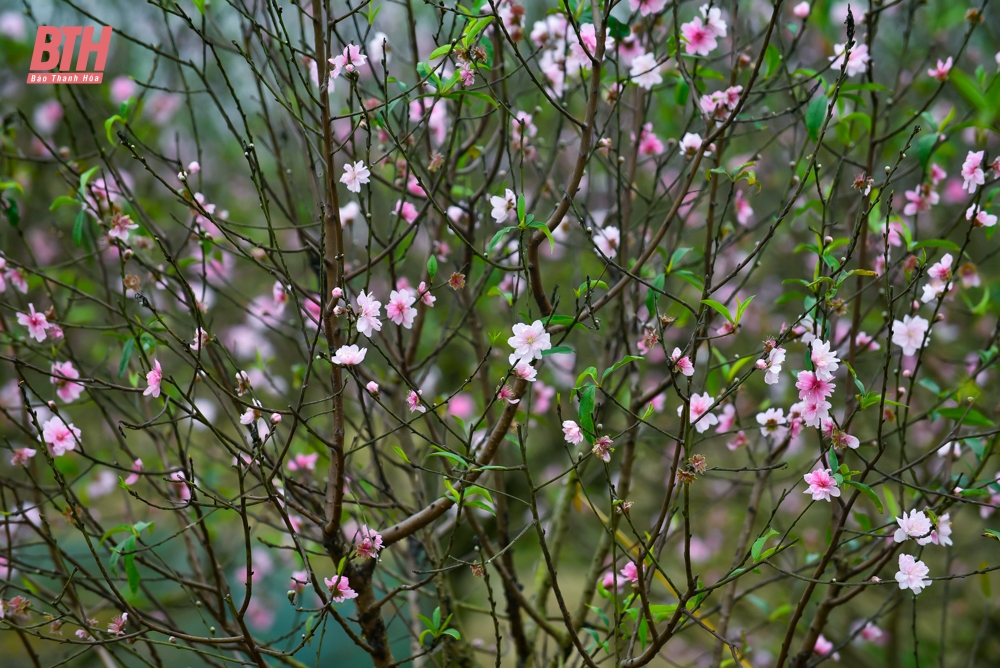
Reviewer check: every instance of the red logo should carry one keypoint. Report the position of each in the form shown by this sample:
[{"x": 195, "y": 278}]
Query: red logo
[{"x": 47, "y": 56}]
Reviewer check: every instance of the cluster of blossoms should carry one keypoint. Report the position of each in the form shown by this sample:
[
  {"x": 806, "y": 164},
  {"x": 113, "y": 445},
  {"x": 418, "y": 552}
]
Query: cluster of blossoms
[
  {"x": 720, "y": 104},
  {"x": 702, "y": 33}
]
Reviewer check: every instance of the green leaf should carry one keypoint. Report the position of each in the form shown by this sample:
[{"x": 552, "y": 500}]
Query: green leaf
[
  {"x": 758, "y": 544},
  {"x": 85, "y": 178},
  {"x": 558, "y": 350},
  {"x": 548, "y": 233},
  {"x": 815, "y": 115},
  {"x": 589, "y": 371},
  {"x": 432, "y": 267},
  {"x": 139, "y": 527},
  {"x": 618, "y": 29},
  {"x": 617, "y": 365},
  {"x": 586, "y": 412},
  {"x": 13, "y": 213},
  {"x": 736, "y": 366},
  {"x": 61, "y": 201},
  {"x": 592, "y": 285},
  {"x": 128, "y": 548},
  {"x": 968, "y": 89},
  {"x": 479, "y": 95},
  {"x": 200, "y": 6},
  {"x": 779, "y": 612},
  {"x": 498, "y": 236},
  {"x": 126, "y": 356},
  {"x": 78, "y": 228},
  {"x": 450, "y": 456},
  {"x": 990, "y": 533},
  {"x": 741, "y": 307},
  {"x": 974, "y": 417},
  {"x": 676, "y": 257},
  {"x": 113, "y": 530},
  {"x": 473, "y": 29},
  {"x": 832, "y": 456},
  {"x": 980, "y": 308},
  {"x": 109, "y": 125},
  {"x": 656, "y": 284},
  {"x": 558, "y": 319},
  {"x": 721, "y": 308},
  {"x": 681, "y": 93},
  {"x": 689, "y": 277},
  {"x": 453, "y": 633},
  {"x": 11, "y": 185},
  {"x": 925, "y": 147},
  {"x": 867, "y": 491},
  {"x": 772, "y": 58},
  {"x": 937, "y": 243},
  {"x": 148, "y": 343},
  {"x": 439, "y": 52}
]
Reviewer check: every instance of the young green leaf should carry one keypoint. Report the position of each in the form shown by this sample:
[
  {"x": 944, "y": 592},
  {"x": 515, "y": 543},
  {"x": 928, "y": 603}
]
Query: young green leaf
[
  {"x": 815, "y": 115},
  {"x": 61, "y": 201},
  {"x": 758, "y": 544},
  {"x": 586, "y": 412},
  {"x": 85, "y": 178},
  {"x": 78, "y": 228},
  {"x": 498, "y": 236},
  {"x": 439, "y": 52},
  {"x": 867, "y": 491},
  {"x": 772, "y": 58},
  {"x": 545, "y": 230},
  {"x": 721, "y": 308},
  {"x": 126, "y": 356},
  {"x": 617, "y": 365},
  {"x": 741, "y": 307}
]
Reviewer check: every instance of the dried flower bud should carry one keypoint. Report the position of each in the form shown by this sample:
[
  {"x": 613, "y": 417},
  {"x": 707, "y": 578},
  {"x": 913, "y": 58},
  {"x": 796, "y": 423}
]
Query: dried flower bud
[{"x": 686, "y": 477}]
